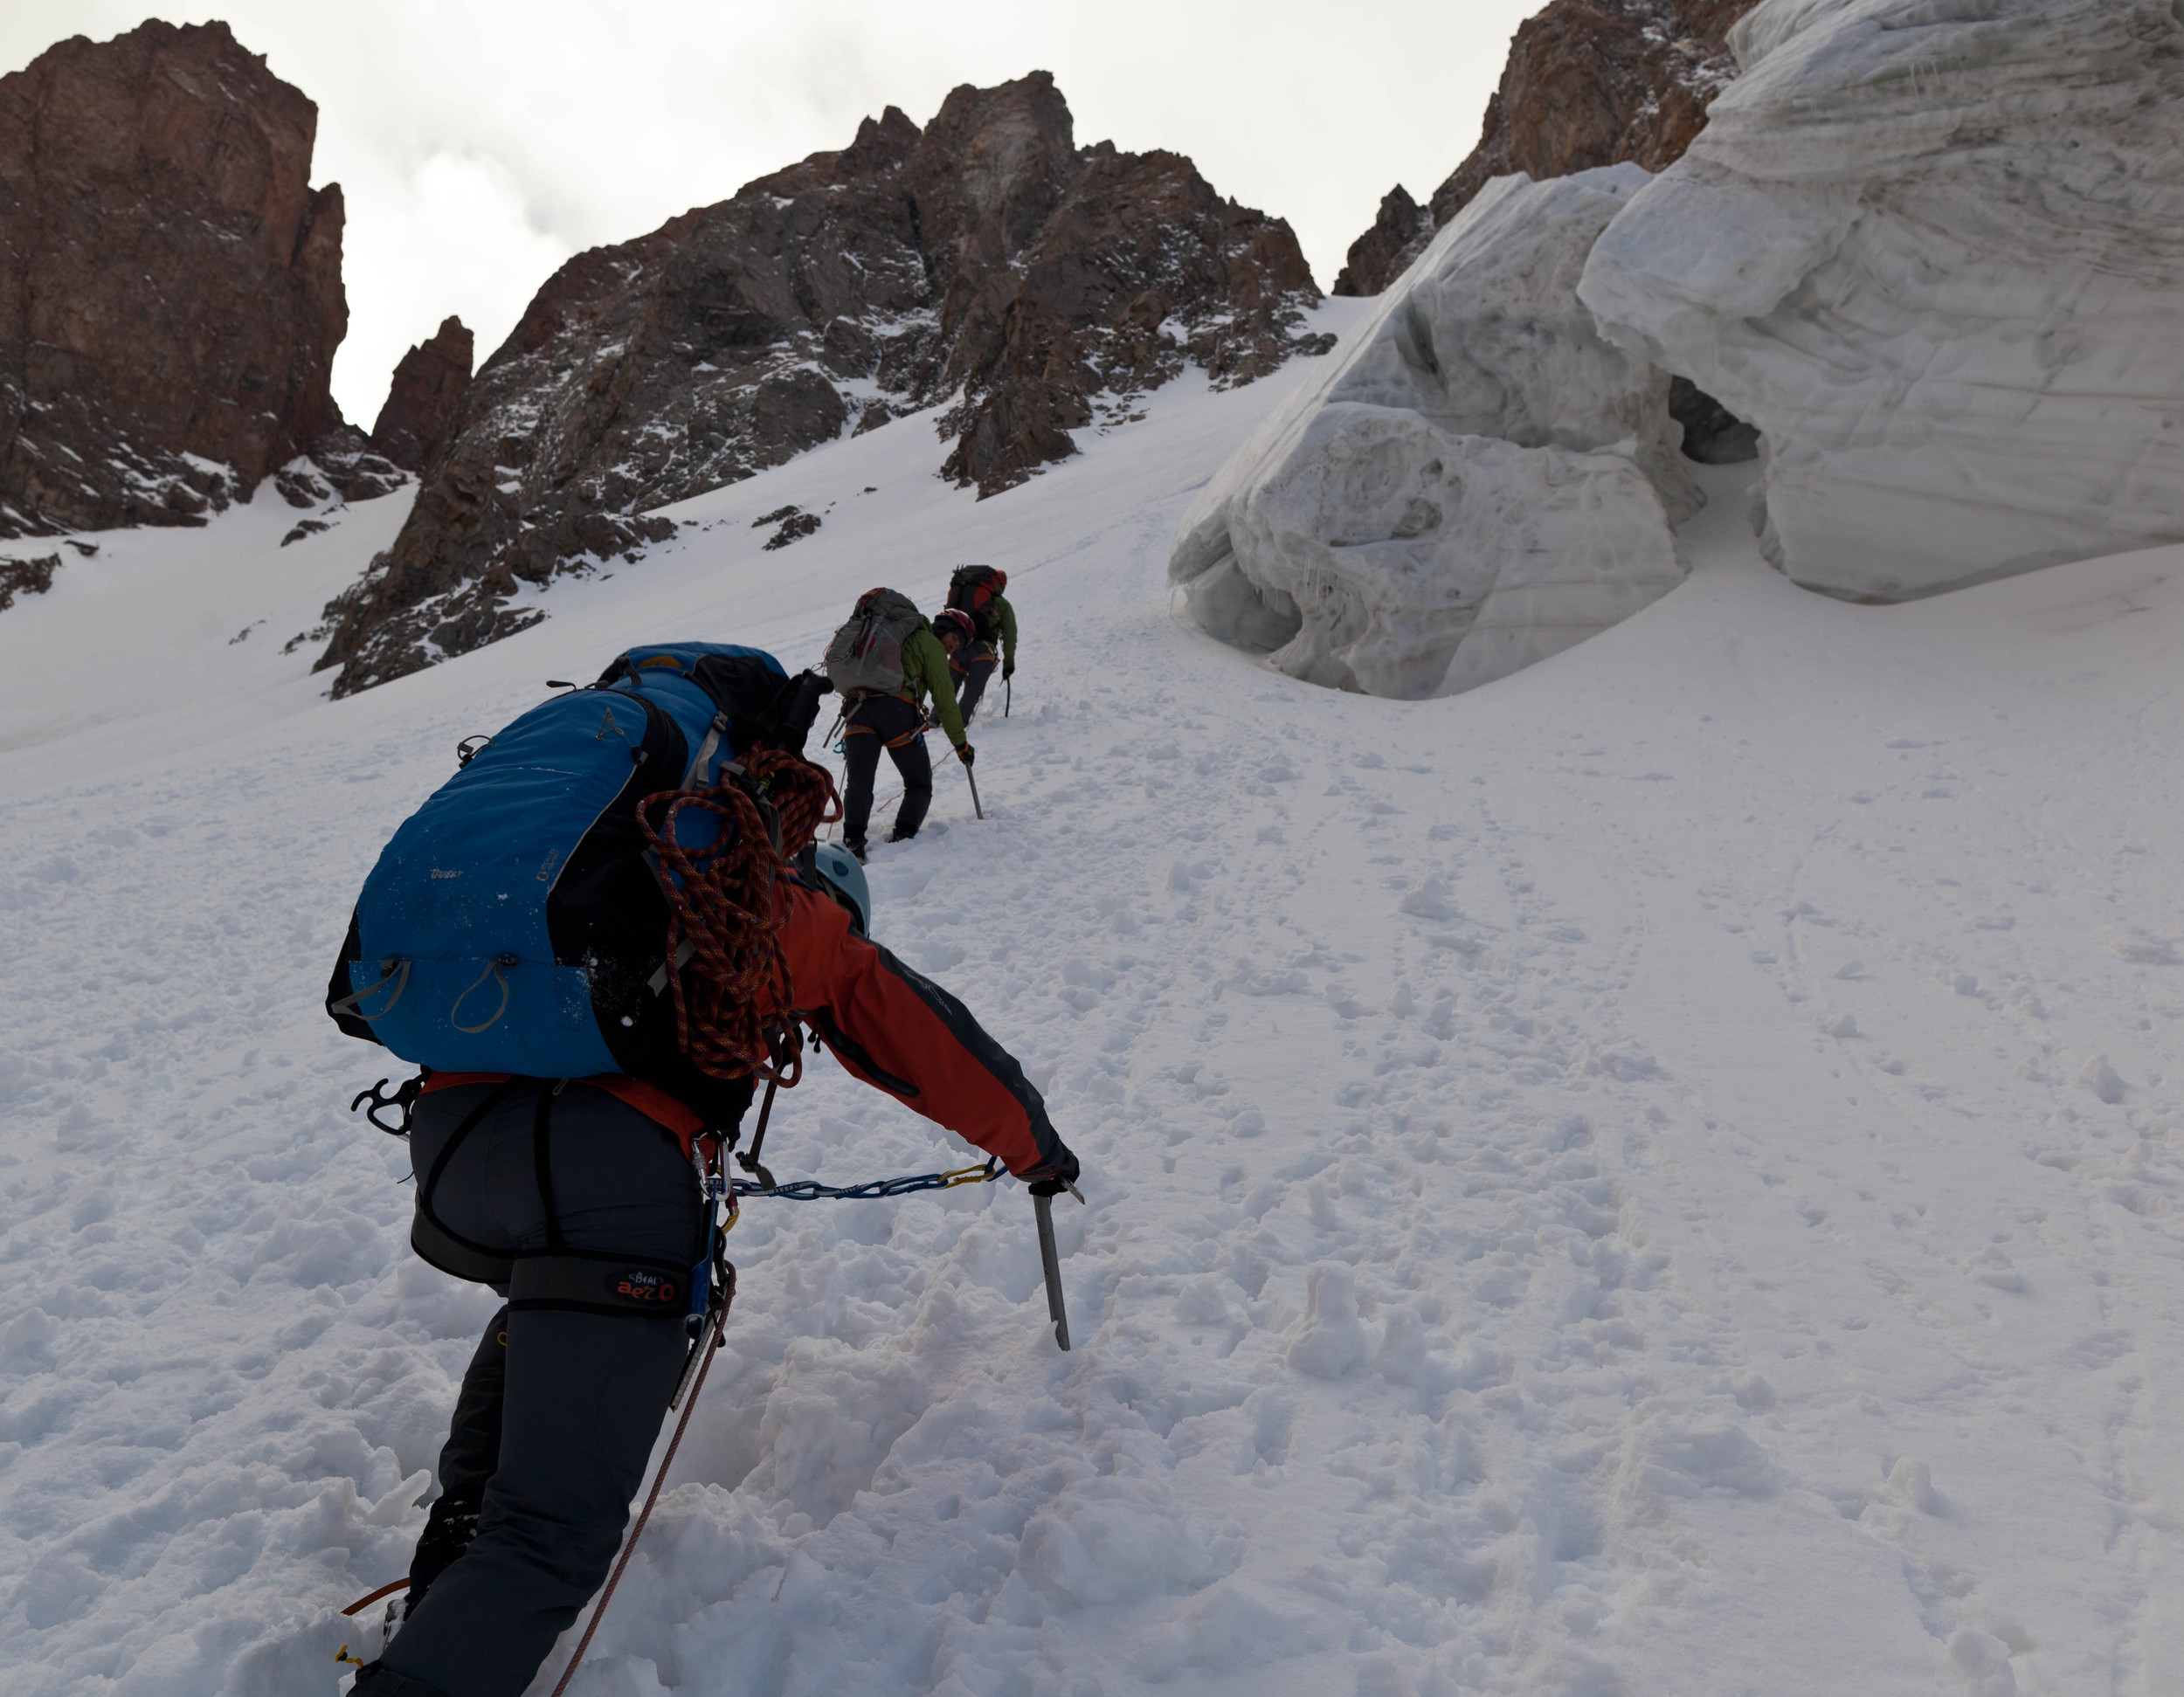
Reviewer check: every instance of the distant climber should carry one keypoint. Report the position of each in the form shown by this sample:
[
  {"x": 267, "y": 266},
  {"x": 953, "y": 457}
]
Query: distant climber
[
  {"x": 592, "y": 939},
  {"x": 885, "y": 661},
  {"x": 975, "y": 591},
  {"x": 970, "y": 661}
]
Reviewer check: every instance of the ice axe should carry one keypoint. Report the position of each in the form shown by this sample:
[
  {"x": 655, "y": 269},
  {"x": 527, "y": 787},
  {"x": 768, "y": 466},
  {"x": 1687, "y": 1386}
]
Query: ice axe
[
  {"x": 1044, "y": 1207},
  {"x": 973, "y": 782},
  {"x": 1008, "y": 693}
]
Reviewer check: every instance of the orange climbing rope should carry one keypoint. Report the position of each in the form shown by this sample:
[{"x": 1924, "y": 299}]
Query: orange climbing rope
[{"x": 722, "y": 914}]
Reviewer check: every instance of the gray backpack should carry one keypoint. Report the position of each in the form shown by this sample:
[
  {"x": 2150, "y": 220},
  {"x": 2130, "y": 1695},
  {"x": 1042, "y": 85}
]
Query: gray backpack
[{"x": 867, "y": 653}]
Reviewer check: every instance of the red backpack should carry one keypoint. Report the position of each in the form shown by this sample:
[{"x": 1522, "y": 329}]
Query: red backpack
[{"x": 971, "y": 589}]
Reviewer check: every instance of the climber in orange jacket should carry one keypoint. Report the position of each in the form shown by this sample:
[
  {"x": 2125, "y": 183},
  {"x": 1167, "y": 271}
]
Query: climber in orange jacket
[{"x": 533, "y": 1182}]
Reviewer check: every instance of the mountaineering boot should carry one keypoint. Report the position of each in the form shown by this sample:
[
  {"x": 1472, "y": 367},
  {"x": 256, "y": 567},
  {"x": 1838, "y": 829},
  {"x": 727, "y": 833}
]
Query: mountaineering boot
[{"x": 857, "y": 848}]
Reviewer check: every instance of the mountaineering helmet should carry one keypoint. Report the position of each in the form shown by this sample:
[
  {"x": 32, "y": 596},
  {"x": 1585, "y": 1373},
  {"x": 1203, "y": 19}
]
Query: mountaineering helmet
[
  {"x": 954, "y": 618},
  {"x": 845, "y": 880}
]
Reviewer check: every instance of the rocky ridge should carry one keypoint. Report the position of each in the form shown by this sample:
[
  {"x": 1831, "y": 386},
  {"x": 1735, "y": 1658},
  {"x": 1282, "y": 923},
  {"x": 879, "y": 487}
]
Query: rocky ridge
[
  {"x": 1587, "y": 82},
  {"x": 984, "y": 261},
  {"x": 425, "y": 401},
  {"x": 170, "y": 288}
]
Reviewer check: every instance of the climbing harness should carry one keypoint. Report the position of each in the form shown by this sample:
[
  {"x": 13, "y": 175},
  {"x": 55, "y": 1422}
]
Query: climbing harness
[{"x": 761, "y": 1182}]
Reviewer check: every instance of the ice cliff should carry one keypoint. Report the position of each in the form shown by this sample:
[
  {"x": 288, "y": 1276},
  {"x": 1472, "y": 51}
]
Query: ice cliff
[
  {"x": 1934, "y": 250},
  {"x": 1478, "y": 481}
]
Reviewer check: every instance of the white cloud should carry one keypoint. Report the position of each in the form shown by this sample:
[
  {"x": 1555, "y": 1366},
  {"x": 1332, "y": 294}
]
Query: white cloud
[
  {"x": 479, "y": 143},
  {"x": 455, "y": 234}
]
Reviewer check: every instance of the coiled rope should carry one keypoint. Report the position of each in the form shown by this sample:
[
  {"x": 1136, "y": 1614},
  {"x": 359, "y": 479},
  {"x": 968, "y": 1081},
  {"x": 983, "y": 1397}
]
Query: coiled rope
[{"x": 721, "y": 905}]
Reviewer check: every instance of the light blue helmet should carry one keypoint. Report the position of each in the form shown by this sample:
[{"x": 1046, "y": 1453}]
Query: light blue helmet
[{"x": 845, "y": 880}]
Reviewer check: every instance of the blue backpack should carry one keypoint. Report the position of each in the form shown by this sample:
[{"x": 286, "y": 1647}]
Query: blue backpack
[{"x": 514, "y": 923}]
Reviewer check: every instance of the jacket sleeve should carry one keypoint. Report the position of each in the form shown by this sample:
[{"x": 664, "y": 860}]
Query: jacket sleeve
[
  {"x": 1008, "y": 633},
  {"x": 902, "y": 1033},
  {"x": 931, "y": 661}
]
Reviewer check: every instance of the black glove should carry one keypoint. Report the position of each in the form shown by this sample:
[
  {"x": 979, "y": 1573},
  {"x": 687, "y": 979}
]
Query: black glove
[
  {"x": 789, "y": 719},
  {"x": 1055, "y": 1176},
  {"x": 1008, "y": 670},
  {"x": 967, "y": 753}
]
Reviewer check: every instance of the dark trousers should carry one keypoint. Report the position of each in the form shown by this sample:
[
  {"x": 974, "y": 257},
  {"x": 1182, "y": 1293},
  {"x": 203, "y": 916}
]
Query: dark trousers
[
  {"x": 892, "y": 722},
  {"x": 971, "y": 669},
  {"x": 580, "y": 1396}
]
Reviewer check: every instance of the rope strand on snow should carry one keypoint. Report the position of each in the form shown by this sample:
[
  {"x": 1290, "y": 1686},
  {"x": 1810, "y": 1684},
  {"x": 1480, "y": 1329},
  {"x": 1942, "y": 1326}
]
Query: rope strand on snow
[{"x": 712, "y": 1342}]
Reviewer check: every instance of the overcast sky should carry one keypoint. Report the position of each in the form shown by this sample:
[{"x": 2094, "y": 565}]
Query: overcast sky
[{"x": 481, "y": 142}]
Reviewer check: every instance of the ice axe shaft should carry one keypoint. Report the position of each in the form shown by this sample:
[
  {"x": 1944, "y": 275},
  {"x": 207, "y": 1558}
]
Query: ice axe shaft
[
  {"x": 1044, "y": 1206},
  {"x": 1008, "y": 695},
  {"x": 971, "y": 779}
]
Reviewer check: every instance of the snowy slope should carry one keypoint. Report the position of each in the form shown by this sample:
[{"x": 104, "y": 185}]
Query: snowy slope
[{"x": 1655, "y": 1175}]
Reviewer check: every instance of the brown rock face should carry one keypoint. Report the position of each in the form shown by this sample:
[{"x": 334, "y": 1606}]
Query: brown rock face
[
  {"x": 985, "y": 253},
  {"x": 1372, "y": 256},
  {"x": 170, "y": 284},
  {"x": 1587, "y": 82},
  {"x": 425, "y": 398},
  {"x": 1140, "y": 270}
]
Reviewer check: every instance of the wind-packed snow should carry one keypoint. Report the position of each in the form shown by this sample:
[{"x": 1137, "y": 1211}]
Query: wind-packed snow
[
  {"x": 1464, "y": 489},
  {"x": 1658, "y": 1175},
  {"x": 1935, "y": 251}
]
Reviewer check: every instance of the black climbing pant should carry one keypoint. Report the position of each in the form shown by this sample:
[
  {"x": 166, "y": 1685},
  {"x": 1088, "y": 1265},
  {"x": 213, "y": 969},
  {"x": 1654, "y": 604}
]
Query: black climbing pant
[
  {"x": 972, "y": 668},
  {"x": 467, "y": 1461},
  {"x": 581, "y": 1395},
  {"x": 890, "y": 721}
]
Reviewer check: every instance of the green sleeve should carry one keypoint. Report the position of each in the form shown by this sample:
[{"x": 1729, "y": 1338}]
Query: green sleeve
[
  {"x": 1008, "y": 633},
  {"x": 925, "y": 663}
]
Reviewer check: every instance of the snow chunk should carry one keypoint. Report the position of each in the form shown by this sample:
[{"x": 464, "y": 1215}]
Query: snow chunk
[
  {"x": 1982, "y": 1661},
  {"x": 1718, "y": 1461},
  {"x": 1114, "y": 1540},
  {"x": 1480, "y": 482},
  {"x": 2101, "y": 1078},
  {"x": 1936, "y": 254},
  {"x": 1331, "y": 1339}
]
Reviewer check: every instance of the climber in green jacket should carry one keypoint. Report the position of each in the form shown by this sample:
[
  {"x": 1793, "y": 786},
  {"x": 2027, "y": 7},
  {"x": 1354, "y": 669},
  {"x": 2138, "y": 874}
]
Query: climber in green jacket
[
  {"x": 987, "y": 624},
  {"x": 896, "y": 721}
]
